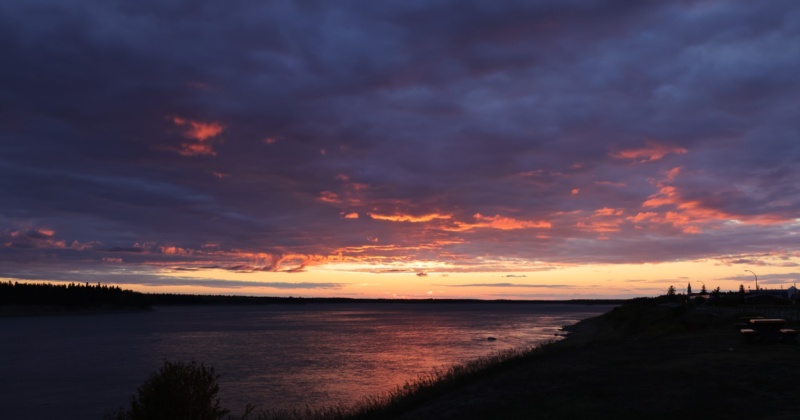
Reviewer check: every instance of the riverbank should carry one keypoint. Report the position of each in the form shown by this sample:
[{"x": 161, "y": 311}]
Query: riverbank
[{"x": 638, "y": 361}]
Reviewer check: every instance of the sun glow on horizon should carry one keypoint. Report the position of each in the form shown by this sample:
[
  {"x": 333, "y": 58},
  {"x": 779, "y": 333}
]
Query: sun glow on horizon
[{"x": 435, "y": 280}]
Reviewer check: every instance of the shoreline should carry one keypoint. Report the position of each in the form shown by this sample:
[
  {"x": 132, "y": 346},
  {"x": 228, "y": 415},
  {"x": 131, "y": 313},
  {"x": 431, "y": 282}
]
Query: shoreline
[{"x": 637, "y": 361}]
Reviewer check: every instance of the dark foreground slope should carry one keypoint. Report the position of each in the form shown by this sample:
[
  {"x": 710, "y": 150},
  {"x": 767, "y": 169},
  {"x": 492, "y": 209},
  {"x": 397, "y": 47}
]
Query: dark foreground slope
[{"x": 638, "y": 361}]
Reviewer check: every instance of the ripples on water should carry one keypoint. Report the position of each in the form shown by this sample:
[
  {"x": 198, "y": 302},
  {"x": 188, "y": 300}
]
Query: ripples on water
[{"x": 273, "y": 356}]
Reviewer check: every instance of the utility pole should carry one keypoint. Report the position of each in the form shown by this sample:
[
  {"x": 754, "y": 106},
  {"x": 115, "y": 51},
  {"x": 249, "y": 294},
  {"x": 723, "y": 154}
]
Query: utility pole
[{"x": 754, "y": 275}]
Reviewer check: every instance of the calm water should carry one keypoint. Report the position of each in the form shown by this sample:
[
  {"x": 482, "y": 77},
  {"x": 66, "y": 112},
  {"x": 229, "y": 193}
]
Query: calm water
[{"x": 83, "y": 366}]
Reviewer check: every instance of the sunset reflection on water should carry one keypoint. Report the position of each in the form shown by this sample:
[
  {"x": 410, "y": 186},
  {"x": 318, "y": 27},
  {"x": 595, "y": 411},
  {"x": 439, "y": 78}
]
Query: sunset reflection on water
[
  {"x": 329, "y": 355},
  {"x": 274, "y": 356}
]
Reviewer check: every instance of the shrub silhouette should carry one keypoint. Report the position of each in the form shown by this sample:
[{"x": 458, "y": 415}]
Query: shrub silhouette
[{"x": 178, "y": 391}]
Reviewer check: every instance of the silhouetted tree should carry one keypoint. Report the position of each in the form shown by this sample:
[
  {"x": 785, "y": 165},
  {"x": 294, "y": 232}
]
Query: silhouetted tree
[
  {"x": 703, "y": 290},
  {"x": 671, "y": 291},
  {"x": 179, "y": 391},
  {"x": 741, "y": 288}
]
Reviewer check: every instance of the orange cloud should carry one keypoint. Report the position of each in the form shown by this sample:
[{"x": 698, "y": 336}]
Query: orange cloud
[
  {"x": 40, "y": 238},
  {"x": 298, "y": 261},
  {"x": 46, "y": 232},
  {"x": 599, "y": 226},
  {"x": 329, "y": 197},
  {"x": 641, "y": 217},
  {"x": 352, "y": 215},
  {"x": 652, "y": 152},
  {"x": 603, "y": 220},
  {"x": 174, "y": 250},
  {"x": 199, "y": 130},
  {"x": 349, "y": 195},
  {"x": 666, "y": 195},
  {"x": 669, "y": 207},
  {"x": 248, "y": 262},
  {"x": 201, "y": 133},
  {"x": 399, "y": 217},
  {"x": 499, "y": 222},
  {"x": 605, "y": 211},
  {"x": 673, "y": 173}
]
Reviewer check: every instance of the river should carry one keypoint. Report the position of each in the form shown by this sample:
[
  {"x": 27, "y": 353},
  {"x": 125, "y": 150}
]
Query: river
[{"x": 273, "y": 356}]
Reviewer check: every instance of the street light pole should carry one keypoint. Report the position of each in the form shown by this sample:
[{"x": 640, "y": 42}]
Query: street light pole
[{"x": 754, "y": 275}]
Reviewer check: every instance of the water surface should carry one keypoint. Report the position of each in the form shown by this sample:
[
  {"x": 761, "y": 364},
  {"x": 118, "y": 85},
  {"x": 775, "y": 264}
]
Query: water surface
[{"x": 279, "y": 356}]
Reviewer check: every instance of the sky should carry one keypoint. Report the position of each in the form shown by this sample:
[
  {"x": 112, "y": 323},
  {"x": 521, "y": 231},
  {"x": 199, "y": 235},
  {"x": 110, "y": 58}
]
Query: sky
[{"x": 440, "y": 149}]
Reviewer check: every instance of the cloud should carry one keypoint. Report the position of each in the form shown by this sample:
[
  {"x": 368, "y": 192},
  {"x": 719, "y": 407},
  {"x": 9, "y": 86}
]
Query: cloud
[
  {"x": 500, "y": 223},
  {"x": 201, "y": 133},
  {"x": 651, "y": 152},
  {"x": 399, "y": 217},
  {"x": 516, "y": 137},
  {"x": 38, "y": 237}
]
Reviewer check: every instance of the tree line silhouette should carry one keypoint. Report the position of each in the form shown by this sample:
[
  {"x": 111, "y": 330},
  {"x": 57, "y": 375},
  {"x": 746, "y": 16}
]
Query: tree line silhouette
[
  {"x": 77, "y": 296},
  {"x": 72, "y": 295}
]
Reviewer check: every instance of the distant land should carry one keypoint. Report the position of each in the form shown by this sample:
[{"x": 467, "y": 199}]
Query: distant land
[{"x": 46, "y": 298}]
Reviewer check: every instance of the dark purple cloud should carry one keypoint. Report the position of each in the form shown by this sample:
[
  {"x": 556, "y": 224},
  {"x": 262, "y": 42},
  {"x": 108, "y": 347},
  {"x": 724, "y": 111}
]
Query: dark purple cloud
[{"x": 280, "y": 135}]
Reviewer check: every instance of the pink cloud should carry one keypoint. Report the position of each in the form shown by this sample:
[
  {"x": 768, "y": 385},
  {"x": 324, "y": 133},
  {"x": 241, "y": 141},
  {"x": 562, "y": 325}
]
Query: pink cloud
[
  {"x": 329, "y": 197},
  {"x": 400, "y": 217},
  {"x": 669, "y": 207},
  {"x": 603, "y": 221},
  {"x": 39, "y": 238},
  {"x": 500, "y": 223},
  {"x": 197, "y": 130},
  {"x": 652, "y": 152},
  {"x": 200, "y": 133}
]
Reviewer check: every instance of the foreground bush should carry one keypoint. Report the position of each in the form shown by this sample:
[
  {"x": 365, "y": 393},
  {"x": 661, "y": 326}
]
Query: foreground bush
[{"x": 178, "y": 391}]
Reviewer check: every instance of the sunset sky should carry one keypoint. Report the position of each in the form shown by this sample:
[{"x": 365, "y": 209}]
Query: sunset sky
[{"x": 445, "y": 149}]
